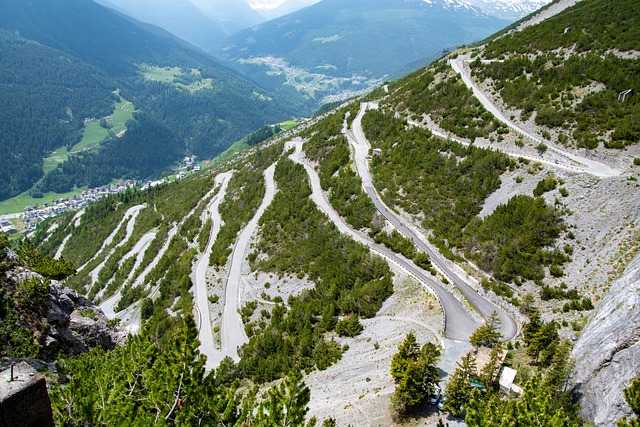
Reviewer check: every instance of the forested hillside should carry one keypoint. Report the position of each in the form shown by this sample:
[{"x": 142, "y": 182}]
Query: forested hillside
[
  {"x": 43, "y": 107},
  {"x": 64, "y": 65},
  {"x": 428, "y": 234}
]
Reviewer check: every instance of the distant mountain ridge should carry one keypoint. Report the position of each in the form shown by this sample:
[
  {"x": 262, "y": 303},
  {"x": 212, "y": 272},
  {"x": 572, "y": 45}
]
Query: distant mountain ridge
[
  {"x": 66, "y": 63},
  {"x": 202, "y": 23},
  {"x": 357, "y": 41},
  {"x": 509, "y": 9}
]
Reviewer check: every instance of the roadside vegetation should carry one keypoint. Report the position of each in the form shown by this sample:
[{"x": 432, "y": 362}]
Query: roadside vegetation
[
  {"x": 244, "y": 194},
  {"x": 297, "y": 239},
  {"x": 330, "y": 149},
  {"x": 572, "y": 72}
]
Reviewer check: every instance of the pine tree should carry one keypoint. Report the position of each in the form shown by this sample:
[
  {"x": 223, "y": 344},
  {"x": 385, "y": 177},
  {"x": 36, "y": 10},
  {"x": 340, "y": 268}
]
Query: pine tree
[
  {"x": 488, "y": 334},
  {"x": 632, "y": 396},
  {"x": 490, "y": 373},
  {"x": 459, "y": 389},
  {"x": 407, "y": 351},
  {"x": 285, "y": 405},
  {"x": 415, "y": 372}
]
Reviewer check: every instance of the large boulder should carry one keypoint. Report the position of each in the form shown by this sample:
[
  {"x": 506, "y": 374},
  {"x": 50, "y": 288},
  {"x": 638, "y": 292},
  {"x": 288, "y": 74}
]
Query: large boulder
[
  {"x": 608, "y": 351},
  {"x": 75, "y": 324}
]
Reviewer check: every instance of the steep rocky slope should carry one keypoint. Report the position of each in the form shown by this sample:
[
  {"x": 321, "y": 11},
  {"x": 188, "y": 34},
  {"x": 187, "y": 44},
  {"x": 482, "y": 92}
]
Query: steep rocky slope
[
  {"x": 608, "y": 351},
  {"x": 46, "y": 317}
]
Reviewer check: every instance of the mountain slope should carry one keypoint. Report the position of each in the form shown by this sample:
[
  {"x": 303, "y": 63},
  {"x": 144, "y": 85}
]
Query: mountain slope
[
  {"x": 180, "y": 17},
  {"x": 432, "y": 184},
  {"x": 70, "y": 26},
  {"x": 335, "y": 46},
  {"x": 202, "y": 23},
  {"x": 233, "y": 15},
  {"x": 87, "y": 59},
  {"x": 508, "y": 9}
]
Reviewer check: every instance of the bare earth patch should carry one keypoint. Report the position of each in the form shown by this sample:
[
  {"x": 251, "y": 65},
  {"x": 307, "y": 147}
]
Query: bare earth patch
[{"x": 356, "y": 390}]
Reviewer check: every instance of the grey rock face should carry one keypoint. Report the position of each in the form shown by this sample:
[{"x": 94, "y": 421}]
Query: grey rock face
[
  {"x": 607, "y": 354},
  {"x": 75, "y": 324}
]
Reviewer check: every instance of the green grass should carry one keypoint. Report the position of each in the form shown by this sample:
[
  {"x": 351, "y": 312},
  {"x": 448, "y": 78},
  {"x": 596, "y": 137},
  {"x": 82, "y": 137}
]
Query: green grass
[
  {"x": 93, "y": 135},
  {"x": 176, "y": 76},
  {"x": 18, "y": 203}
]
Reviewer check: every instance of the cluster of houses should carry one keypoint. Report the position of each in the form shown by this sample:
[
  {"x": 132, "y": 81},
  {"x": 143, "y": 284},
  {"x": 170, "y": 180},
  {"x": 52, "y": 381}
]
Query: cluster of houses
[{"x": 36, "y": 213}]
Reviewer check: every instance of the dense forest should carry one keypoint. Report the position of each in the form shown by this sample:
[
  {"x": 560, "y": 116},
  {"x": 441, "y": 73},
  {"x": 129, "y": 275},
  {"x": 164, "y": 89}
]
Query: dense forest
[
  {"x": 43, "y": 107},
  {"x": 59, "y": 71}
]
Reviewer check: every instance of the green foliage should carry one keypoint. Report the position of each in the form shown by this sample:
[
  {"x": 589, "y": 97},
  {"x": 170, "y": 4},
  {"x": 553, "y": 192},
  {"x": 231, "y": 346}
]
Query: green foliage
[
  {"x": 396, "y": 242},
  {"x": 542, "y": 339},
  {"x": 545, "y": 185},
  {"x": 330, "y": 149},
  {"x": 595, "y": 26},
  {"x": 34, "y": 109},
  {"x": 487, "y": 335},
  {"x": 498, "y": 287},
  {"x": 98, "y": 221},
  {"x": 415, "y": 373},
  {"x": 349, "y": 326},
  {"x": 509, "y": 242},
  {"x": 459, "y": 391},
  {"x": 46, "y": 265},
  {"x": 449, "y": 102},
  {"x": 632, "y": 397},
  {"x": 299, "y": 240},
  {"x": 22, "y": 305},
  {"x": 536, "y": 76},
  {"x": 442, "y": 181},
  {"x": 245, "y": 192},
  {"x": 145, "y": 382},
  {"x": 203, "y": 237},
  {"x": 536, "y": 407},
  {"x": 285, "y": 405},
  {"x": 408, "y": 351}
]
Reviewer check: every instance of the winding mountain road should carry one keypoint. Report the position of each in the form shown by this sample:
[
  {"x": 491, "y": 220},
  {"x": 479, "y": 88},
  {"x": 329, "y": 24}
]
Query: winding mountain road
[
  {"x": 361, "y": 149},
  {"x": 232, "y": 332},
  {"x": 459, "y": 325},
  {"x": 205, "y": 333},
  {"x": 581, "y": 163}
]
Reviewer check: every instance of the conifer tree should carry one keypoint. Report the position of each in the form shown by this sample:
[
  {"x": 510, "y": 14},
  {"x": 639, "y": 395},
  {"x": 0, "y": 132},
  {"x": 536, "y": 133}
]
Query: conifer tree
[
  {"x": 488, "y": 334},
  {"x": 632, "y": 396},
  {"x": 459, "y": 389}
]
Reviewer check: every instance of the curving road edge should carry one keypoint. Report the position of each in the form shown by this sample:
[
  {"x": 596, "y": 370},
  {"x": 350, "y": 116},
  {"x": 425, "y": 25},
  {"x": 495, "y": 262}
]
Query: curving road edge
[
  {"x": 361, "y": 147},
  {"x": 589, "y": 166},
  {"x": 232, "y": 334},
  {"x": 203, "y": 317}
]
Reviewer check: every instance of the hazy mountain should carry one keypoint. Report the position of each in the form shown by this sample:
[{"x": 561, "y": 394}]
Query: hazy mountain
[
  {"x": 180, "y": 17},
  {"x": 202, "y": 23},
  {"x": 508, "y": 9},
  {"x": 64, "y": 64},
  {"x": 272, "y": 9},
  {"x": 234, "y": 15},
  {"x": 335, "y": 47}
]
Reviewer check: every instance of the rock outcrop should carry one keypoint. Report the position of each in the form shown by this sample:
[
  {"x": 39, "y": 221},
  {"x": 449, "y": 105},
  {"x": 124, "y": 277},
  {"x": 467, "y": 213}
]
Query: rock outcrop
[
  {"x": 607, "y": 354},
  {"x": 65, "y": 322},
  {"x": 75, "y": 324}
]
